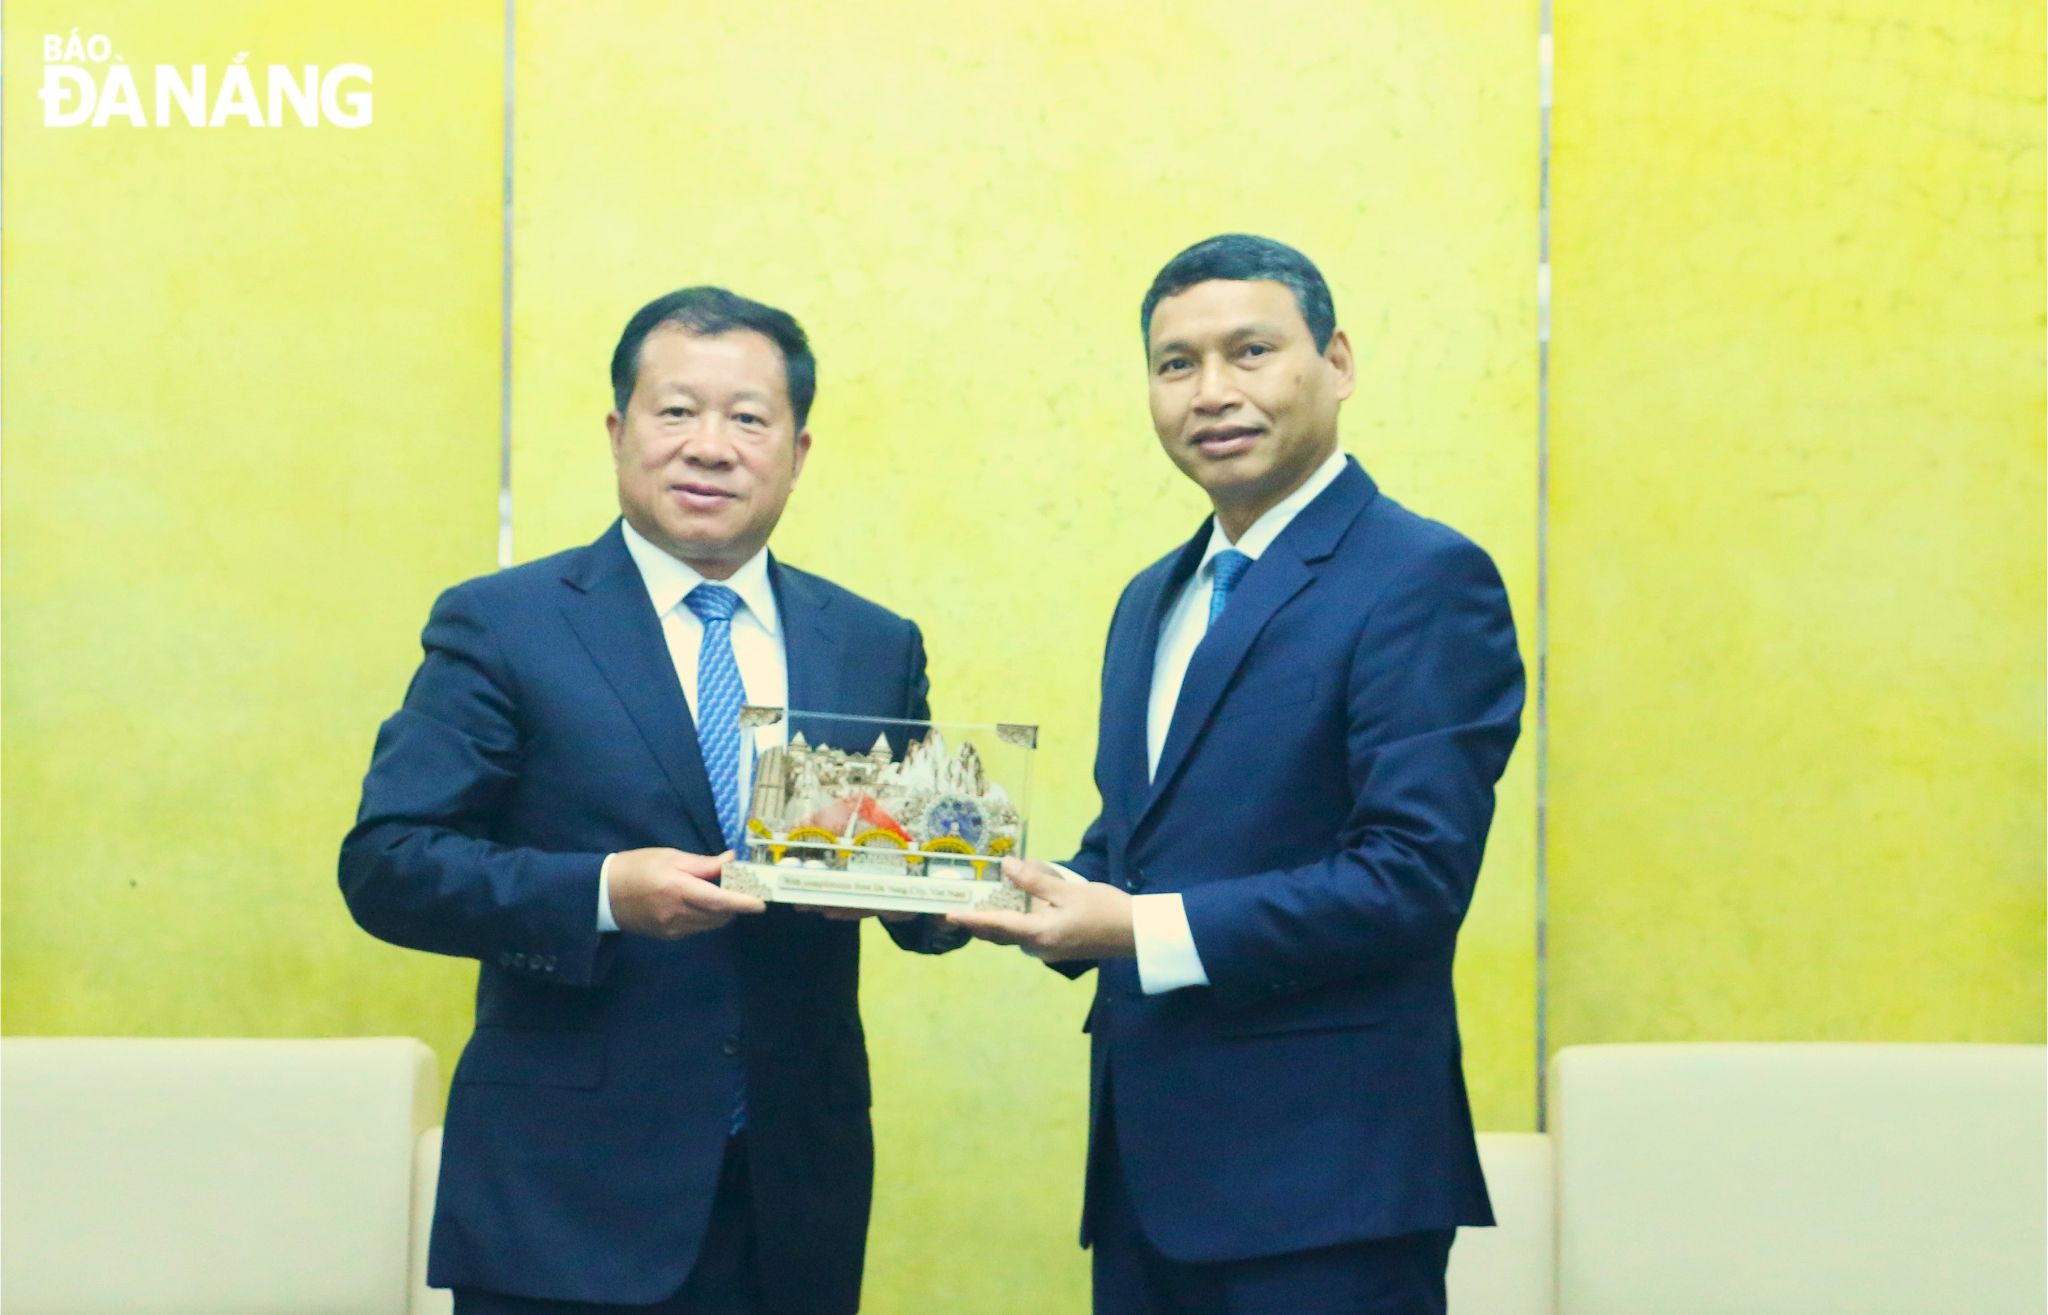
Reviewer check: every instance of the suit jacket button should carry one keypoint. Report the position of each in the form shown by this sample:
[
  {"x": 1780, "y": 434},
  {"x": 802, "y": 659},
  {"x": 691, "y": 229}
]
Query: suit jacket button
[
  {"x": 731, "y": 1045},
  {"x": 518, "y": 959},
  {"x": 505, "y": 959}
]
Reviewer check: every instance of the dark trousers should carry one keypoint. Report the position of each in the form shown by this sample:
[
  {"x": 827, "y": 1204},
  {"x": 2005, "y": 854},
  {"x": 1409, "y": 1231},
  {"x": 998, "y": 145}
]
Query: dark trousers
[
  {"x": 722, "y": 1283},
  {"x": 1384, "y": 1276}
]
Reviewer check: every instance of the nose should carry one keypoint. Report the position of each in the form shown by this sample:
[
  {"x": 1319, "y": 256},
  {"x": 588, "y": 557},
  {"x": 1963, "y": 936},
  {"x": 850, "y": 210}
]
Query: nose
[
  {"x": 708, "y": 444},
  {"x": 1215, "y": 390}
]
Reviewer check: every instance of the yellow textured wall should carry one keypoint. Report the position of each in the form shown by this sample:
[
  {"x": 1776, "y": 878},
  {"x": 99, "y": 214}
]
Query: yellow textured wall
[
  {"x": 1796, "y": 529},
  {"x": 251, "y": 400},
  {"x": 963, "y": 203}
]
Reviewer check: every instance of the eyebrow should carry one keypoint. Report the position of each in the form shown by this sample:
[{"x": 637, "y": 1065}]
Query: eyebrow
[
  {"x": 676, "y": 388},
  {"x": 1237, "y": 335}
]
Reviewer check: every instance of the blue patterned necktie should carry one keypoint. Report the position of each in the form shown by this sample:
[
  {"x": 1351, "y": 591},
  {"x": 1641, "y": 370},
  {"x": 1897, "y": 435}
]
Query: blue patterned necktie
[
  {"x": 719, "y": 696},
  {"x": 1228, "y": 568}
]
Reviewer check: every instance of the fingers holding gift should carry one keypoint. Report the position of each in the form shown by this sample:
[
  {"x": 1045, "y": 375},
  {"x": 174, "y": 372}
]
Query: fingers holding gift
[
  {"x": 1068, "y": 919},
  {"x": 669, "y": 894}
]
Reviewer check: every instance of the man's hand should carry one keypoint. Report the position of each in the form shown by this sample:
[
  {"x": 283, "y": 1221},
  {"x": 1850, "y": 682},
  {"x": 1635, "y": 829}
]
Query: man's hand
[
  {"x": 670, "y": 894},
  {"x": 1068, "y": 919}
]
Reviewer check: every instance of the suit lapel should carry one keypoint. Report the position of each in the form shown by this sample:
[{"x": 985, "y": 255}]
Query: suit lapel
[
  {"x": 607, "y": 607},
  {"x": 1127, "y": 690},
  {"x": 812, "y": 645},
  {"x": 1277, "y": 576},
  {"x": 1281, "y": 572}
]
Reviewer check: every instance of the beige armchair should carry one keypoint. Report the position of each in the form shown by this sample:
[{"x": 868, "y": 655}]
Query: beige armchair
[{"x": 201, "y": 1177}]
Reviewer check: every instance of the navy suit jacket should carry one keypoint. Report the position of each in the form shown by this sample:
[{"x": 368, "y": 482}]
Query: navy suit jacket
[
  {"x": 589, "y": 1113},
  {"x": 1321, "y": 805}
]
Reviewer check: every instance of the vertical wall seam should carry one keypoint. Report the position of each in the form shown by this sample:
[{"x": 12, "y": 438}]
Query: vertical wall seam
[
  {"x": 505, "y": 313},
  {"x": 1546, "y": 64}
]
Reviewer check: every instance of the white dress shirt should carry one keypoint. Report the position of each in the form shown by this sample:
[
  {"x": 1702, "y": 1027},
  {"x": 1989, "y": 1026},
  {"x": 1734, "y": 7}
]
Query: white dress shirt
[
  {"x": 1167, "y": 958},
  {"x": 756, "y": 644}
]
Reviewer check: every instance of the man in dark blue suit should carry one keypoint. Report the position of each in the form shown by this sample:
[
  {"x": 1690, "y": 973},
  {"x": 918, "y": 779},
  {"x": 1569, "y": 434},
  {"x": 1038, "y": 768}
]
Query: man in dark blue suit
[
  {"x": 664, "y": 1106},
  {"x": 1304, "y": 711}
]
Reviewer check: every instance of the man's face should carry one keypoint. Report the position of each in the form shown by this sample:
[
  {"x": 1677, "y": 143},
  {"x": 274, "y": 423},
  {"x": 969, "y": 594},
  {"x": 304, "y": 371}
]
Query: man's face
[
  {"x": 1244, "y": 403},
  {"x": 707, "y": 449}
]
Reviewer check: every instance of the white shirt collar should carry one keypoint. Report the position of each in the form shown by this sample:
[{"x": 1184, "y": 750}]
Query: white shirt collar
[
  {"x": 669, "y": 579},
  {"x": 1259, "y": 535}
]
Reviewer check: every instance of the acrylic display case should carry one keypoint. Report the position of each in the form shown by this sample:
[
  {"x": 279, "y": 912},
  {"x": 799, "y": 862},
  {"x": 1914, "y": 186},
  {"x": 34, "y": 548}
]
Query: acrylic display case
[{"x": 878, "y": 813}]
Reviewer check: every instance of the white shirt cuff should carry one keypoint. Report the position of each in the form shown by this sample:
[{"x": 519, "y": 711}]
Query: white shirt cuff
[
  {"x": 1167, "y": 959},
  {"x": 605, "y": 921}
]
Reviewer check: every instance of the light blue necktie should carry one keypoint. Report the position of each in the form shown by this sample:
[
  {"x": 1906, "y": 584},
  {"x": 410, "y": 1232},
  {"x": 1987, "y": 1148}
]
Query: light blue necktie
[
  {"x": 719, "y": 696},
  {"x": 1228, "y": 568}
]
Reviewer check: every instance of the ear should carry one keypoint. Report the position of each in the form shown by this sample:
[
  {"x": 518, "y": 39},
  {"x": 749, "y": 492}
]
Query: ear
[
  {"x": 803, "y": 449},
  {"x": 1338, "y": 354},
  {"x": 615, "y": 425}
]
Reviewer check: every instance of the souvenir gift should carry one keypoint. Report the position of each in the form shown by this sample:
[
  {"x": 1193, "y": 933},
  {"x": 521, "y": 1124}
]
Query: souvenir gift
[{"x": 876, "y": 813}]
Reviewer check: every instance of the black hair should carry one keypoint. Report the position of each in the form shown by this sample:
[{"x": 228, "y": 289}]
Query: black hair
[
  {"x": 1243, "y": 258},
  {"x": 710, "y": 311}
]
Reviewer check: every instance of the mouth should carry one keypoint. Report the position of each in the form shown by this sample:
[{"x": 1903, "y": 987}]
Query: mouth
[
  {"x": 1224, "y": 440},
  {"x": 700, "y": 497}
]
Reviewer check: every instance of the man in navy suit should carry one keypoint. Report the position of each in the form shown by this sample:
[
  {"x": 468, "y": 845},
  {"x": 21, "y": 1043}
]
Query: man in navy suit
[
  {"x": 1304, "y": 711},
  {"x": 664, "y": 1106}
]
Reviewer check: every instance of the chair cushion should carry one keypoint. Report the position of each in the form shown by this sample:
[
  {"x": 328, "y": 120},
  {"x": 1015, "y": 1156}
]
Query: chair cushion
[
  {"x": 1509, "y": 1269},
  {"x": 149, "y": 1177},
  {"x": 1801, "y": 1179}
]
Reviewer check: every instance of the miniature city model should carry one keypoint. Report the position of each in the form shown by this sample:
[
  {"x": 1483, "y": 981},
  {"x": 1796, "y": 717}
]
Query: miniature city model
[{"x": 926, "y": 832}]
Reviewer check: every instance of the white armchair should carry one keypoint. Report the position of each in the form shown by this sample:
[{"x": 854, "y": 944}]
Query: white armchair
[
  {"x": 200, "y": 1177},
  {"x": 1780, "y": 1178}
]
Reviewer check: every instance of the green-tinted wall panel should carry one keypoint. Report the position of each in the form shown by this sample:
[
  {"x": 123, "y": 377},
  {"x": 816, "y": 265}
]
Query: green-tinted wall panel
[
  {"x": 1796, "y": 534},
  {"x": 251, "y": 393},
  {"x": 964, "y": 203}
]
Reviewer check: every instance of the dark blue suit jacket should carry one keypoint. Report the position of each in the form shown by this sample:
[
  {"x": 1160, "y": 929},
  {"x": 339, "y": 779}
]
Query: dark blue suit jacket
[
  {"x": 589, "y": 1114},
  {"x": 1321, "y": 805}
]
